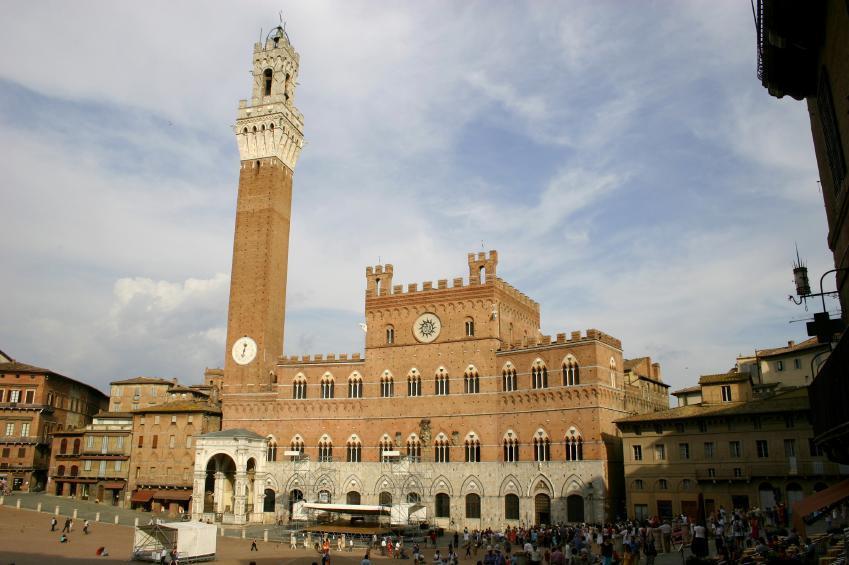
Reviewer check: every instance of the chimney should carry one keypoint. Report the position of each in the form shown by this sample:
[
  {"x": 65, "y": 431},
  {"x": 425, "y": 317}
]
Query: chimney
[{"x": 791, "y": 343}]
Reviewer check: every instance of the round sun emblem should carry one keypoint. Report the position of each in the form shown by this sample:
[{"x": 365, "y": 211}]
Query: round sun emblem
[{"x": 426, "y": 327}]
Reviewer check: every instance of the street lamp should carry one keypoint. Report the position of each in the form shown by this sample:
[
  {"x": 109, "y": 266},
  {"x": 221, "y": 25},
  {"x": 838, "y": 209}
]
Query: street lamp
[{"x": 823, "y": 327}]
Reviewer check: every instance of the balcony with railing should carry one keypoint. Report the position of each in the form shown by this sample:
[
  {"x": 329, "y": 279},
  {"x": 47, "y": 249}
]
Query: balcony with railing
[
  {"x": 23, "y": 440},
  {"x": 25, "y": 406},
  {"x": 829, "y": 398}
]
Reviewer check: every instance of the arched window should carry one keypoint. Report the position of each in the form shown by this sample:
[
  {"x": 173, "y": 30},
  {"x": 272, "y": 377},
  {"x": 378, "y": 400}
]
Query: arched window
[
  {"x": 327, "y": 386},
  {"x": 511, "y": 447},
  {"x": 387, "y": 385},
  {"x": 542, "y": 446},
  {"x": 299, "y": 387},
  {"x": 266, "y": 82},
  {"x": 354, "y": 450},
  {"x": 63, "y": 446},
  {"x": 390, "y": 334},
  {"x": 574, "y": 446},
  {"x": 473, "y": 448},
  {"x": 385, "y": 445},
  {"x": 325, "y": 449},
  {"x": 385, "y": 498},
  {"x": 443, "y": 505},
  {"x": 442, "y": 382},
  {"x": 414, "y": 448},
  {"x": 75, "y": 470},
  {"x": 413, "y": 497},
  {"x": 571, "y": 376},
  {"x": 76, "y": 448},
  {"x": 473, "y": 505},
  {"x": 511, "y": 507},
  {"x": 297, "y": 444},
  {"x": 662, "y": 484},
  {"x": 355, "y": 386},
  {"x": 271, "y": 449},
  {"x": 441, "y": 449},
  {"x": 470, "y": 327},
  {"x": 508, "y": 378},
  {"x": 414, "y": 383},
  {"x": 60, "y": 471},
  {"x": 471, "y": 381},
  {"x": 352, "y": 498},
  {"x": 539, "y": 375}
]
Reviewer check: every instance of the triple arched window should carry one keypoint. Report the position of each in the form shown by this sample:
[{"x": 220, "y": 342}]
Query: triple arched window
[
  {"x": 271, "y": 449},
  {"x": 297, "y": 444},
  {"x": 355, "y": 386},
  {"x": 574, "y": 446},
  {"x": 539, "y": 375},
  {"x": 571, "y": 376},
  {"x": 441, "y": 450},
  {"x": 325, "y": 449},
  {"x": 299, "y": 388},
  {"x": 471, "y": 381},
  {"x": 354, "y": 450},
  {"x": 384, "y": 446},
  {"x": 387, "y": 385},
  {"x": 511, "y": 447},
  {"x": 442, "y": 383},
  {"x": 414, "y": 448},
  {"x": 473, "y": 449},
  {"x": 542, "y": 447},
  {"x": 414, "y": 383},
  {"x": 327, "y": 386},
  {"x": 508, "y": 378}
]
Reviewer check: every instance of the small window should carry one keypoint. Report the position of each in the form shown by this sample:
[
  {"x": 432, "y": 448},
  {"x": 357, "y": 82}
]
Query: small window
[
  {"x": 266, "y": 80},
  {"x": 734, "y": 449},
  {"x": 390, "y": 335},
  {"x": 470, "y": 328},
  {"x": 779, "y": 365},
  {"x": 703, "y": 427},
  {"x": 660, "y": 452},
  {"x": 638, "y": 452},
  {"x": 663, "y": 484},
  {"x": 797, "y": 363},
  {"x": 156, "y": 419},
  {"x": 711, "y": 472},
  {"x": 726, "y": 393},
  {"x": 684, "y": 450},
  {"x": 174, "y": 419},
  {"x": 762, "y": 447},
  {"x": 790, "y": 447},
  {"x": 638, "y": 484},
  {"x": 738, "y": 472},
  {"x": 709, "y": 450},
  {"x": 154, "y": 442}
]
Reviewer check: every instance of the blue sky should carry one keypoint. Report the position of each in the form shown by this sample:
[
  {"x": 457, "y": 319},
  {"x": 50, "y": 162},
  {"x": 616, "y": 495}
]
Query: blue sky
[{"x": 622, "y": 158}]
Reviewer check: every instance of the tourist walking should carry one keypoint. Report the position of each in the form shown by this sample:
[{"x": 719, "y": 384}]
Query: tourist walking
[
  {"x": 67, "y": 526},
  {"x": 53, "y": 523}
]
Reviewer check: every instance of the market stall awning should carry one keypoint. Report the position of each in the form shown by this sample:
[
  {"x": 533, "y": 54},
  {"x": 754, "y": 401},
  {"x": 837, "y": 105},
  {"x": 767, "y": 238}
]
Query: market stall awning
[
  {"x": 166, "y": 494},
  {"x": 114, "y": 485},
  {"x": 823, "y": 499},
  {"x": 142, "y": 495}
]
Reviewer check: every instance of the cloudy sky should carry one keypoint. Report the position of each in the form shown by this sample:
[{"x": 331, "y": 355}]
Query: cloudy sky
[{"x": 622, "y": 157}]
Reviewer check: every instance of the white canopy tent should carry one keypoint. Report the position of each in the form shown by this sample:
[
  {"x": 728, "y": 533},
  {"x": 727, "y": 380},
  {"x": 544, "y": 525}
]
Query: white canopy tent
[{"x": 195, "y": 541}]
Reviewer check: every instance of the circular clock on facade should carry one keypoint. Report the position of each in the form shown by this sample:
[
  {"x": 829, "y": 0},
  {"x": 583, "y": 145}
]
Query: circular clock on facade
[
  {"x": 244, "y": 350},
  {"x": 426, "y": 327}
]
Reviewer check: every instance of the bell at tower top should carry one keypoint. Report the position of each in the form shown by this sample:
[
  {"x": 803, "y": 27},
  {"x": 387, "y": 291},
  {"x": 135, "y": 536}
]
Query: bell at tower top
[{"x": 269, "y": 125}]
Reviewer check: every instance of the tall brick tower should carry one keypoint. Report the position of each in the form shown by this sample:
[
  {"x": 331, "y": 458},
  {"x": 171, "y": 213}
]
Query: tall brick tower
[{"x": 269, "y": 132}]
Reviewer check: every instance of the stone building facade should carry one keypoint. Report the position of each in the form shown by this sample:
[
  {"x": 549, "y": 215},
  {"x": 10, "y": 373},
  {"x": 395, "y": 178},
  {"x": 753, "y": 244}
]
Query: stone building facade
[
  {"x": 34, "y": 403},
  {"x": 458, "y": 403}
]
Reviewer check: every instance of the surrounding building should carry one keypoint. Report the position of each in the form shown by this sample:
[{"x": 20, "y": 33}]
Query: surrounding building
[
  {"x": 803, "y": 51},
  {"x": 138, "y": 392},
  {"x": 460, "y": 403},
  {"x": 34, "y": 403},
  {"x": 162, "y": 451},
  {"x": 731, "y": 450},
  {"x": 792, "y": 365},
  {"x": 92, "y": 462}
]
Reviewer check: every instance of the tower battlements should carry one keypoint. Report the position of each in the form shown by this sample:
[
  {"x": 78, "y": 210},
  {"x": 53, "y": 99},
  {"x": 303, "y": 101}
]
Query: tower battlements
[{"x": 562, "y": 339}]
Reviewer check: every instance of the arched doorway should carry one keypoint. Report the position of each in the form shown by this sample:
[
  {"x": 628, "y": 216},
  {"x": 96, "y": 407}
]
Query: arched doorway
[
  {"x": 542, "y": 509},
  {"x": 385, "y": 499},
  {"x": 443, "y": 505},
  {"x": 219, "y": 485},
  {"x": 575, "y": 508},
  {"x": 353, "y": 497},
  {"x": 324, "y": 497},
  {"x": 295, "y": 496},
  {"x": 268, "y": 501},
  {"x": 766, "y": 496}
]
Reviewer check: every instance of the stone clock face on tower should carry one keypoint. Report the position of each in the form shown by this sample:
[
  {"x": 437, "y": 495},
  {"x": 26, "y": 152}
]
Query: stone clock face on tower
[
  {"x": 244, "y": 350},
  {"x": 426, "y": 328}
]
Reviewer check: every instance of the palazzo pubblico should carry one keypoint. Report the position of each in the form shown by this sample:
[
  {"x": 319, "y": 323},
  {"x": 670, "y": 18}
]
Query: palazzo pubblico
[{"x": 459, "y": 406}]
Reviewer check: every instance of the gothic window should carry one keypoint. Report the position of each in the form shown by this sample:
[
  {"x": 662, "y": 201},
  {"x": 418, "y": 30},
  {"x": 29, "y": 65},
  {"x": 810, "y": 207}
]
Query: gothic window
[
  {"x": 471, "y": 381},
  {"x": 443, "y": 505},
  {"x": 266, "y": 82},
  {"x": 570, "y": 372},
  {"x": 325, "y": 449},
  {"x": 414, "y": 448},
  {"x": 385, "y": 498},
  {"x": 63, "y": 446},
  {"x": 299, "y": 387},
  {"x": 327, "y": 386},
  {"x": 441, "y": 382},
  {"x": 539, "y": 375},
  {"x": 574, "y": 446},
  {"x": 385, "y": 445},
  {"x": 511, "y": 507},
  {"x": 355, "y": 386},
  {"x": 390, "y": 335},
  {"x": 470, "y": 327},
  {"x": 473, "y": 449},
  {"x": 612, "y": 372},
  {"x": 297, "y": 444},
  {"x": 542, "y": 446},
  {"x": 441, "y": 451},
  {"x": 271, "y": 449},
  {"x": 414, "y": 383},
  {"x": 508, "y": 378},
  {"x": 354, "y": 450},
  {"x": 387, "y": 386},
  {"x": 511, "y": 447}
]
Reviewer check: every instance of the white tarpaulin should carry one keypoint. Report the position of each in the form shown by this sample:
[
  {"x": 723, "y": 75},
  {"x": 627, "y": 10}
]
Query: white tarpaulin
[{"x": 195, "y": 541}]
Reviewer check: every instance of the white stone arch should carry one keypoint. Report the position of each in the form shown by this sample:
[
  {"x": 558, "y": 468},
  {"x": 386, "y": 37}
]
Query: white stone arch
[
  {"x": 353, "y": 482},
  {"x": 540, "y": 484},
  {"x": 541, "y": 433},
  {"x": 413, "y": 485},
  {"x": 353, "y": 439},
  {"x": 383, "y": 483},
  {"x": 272, "y": 482},
  {"x": 441, "y": 484},
  {"x": 325, "y": 482},
  {"x": 472, "y": 484},
  {"x": 327, "y": 376},
  {"x": 355, "y": 375},
  {"x": 510, "y": 485},
  {"x": 386, "y": 374},
  {"x": 472, "y": 436},
  {"x": 508, "y": 366},
  {"x": 413, "y": 372},
  {"x": 572, "y": 485},
  {"x": 539, "y": 363}
]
